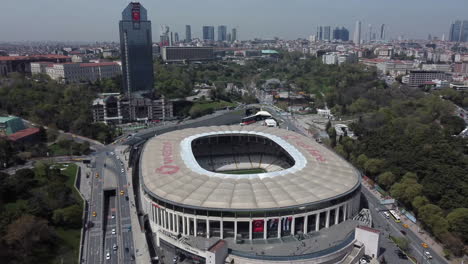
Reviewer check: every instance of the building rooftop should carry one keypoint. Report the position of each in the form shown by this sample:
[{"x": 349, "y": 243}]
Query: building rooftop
[{"x": 23, "y": 133}]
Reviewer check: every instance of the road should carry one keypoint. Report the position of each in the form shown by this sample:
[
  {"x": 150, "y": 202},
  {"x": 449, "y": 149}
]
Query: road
[
  {"x": 389, "y": 227},
  {"x": 100, "y": 238}
]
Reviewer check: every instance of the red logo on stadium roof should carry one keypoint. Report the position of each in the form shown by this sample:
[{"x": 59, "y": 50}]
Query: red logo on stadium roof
[{"x": 168, "y": 169}]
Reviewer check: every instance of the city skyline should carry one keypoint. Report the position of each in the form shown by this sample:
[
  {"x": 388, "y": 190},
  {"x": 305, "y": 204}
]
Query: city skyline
[{"x": 303, "y": 17}]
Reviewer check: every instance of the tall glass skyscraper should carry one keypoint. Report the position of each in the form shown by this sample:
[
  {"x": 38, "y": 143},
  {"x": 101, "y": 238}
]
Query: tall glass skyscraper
[
  {"x": 459, "y": 31},
  {"x": 136, "y": 49},
  {"x": 222, "y": 30},
  {"x": 208, "y": 33},
  {"x": 188, "y": 33}
]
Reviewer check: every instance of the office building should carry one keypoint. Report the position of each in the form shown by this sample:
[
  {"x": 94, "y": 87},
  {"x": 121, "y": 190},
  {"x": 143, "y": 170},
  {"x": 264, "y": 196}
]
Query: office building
[
  {"x": 369, "y": 33},
  {"x": 176, "y": 37},
  {"x": 77, "y": 72},
  {"x": 188, "y": 33},
  {"x": 234, "y": 34},
  {"x": 421, "y": 77},
  {"x": 185, "y": 54},
  {"x": 229, "y": 37},
  {"x": 340, "y": 34},
  {"x": 136, "y": 49},
  {"x": 459, "y": 31},
  {"x": 222, "y": 30},
  {"x": 208, "y": 33},
  {"x": 382, "y": 32},
  {"x": 326, "y": 33},
  {"x": 357, "y": 33},
  {"x": 319, "y": 33}
]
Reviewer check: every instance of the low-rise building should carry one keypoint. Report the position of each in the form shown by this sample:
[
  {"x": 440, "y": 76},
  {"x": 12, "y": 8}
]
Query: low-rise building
[
  {"x": 183, "y": 54},
  {"x": 22, "y": 64},
  {"x": 119, "y": 109},
  {"x": 437, "y": 67},
  {"x": 77, "y": 72},
  {"x": 10, "y": 125},
  {"x": 419, "y": 77}
]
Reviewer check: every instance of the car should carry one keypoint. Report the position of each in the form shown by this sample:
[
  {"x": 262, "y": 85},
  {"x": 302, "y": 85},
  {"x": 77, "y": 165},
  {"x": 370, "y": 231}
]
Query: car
[
  {"x": 113, "y": 216},
  {"x": 112, "y": 153},
  {"x": 94, "y": 214},
  {"x": 387, "y": 215},
  {"x": 403, "y": 232},
  {"x": 126, "y": 198},
  {"x": 114, "y": 247},
  {"x": 122, "y": 170},
  {"x": 427, "y": 254},
  {"x": 107, "y": 255},
  {"x": 113, "y": 231},
  {"x": 122, "y": 192},
  {"x": 174, "y": 260},
  {"x": 424, "y": 245},
  {"x": 118, "y": 157},
  {"x": 362, "y": 261},
  {"x": 97, "y": 175}
]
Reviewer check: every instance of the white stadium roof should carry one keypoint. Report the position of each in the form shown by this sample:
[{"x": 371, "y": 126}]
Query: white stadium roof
[{"x": 170, "y": 172}]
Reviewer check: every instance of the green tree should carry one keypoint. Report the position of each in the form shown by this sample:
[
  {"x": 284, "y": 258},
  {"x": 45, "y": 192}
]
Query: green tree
[
  {"x": 418, "y": 202},
  {"x": 386, "y": 179},
  {"x": 373, "y": 166},
  {"x": 458, "y": 220}
]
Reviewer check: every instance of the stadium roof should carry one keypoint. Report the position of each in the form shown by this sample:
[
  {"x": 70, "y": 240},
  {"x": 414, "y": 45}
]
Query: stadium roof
[{"x": 169, "y": 172}]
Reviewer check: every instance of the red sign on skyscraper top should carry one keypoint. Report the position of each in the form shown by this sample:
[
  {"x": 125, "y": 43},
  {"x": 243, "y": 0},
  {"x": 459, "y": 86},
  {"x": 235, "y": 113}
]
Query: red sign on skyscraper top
[{"x": 136, "y": 15}]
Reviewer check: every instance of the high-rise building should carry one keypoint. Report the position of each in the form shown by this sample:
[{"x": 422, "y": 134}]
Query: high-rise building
[
  {"x": 319, "y": 33},
  {"x": 136, "y": 49},
  {"x": 459, "y": 31},
  {"x": 369, "y": 33},
  {"x": 176, "y": 37},
  {"x": 208, "y": 33},
  {"x": 326, "y": 33},
  {"x": 228, "y": 37},
  {"x": 222, "y": 30},
  {"x": 234, "y": 34},
  {"x": 357, "y": 33},
  {"x": 164, "y": 38},
  {"x": 340, "y": 34},
  {"x": 188, "y": 33},
  {"x": 382, "y": 32}
]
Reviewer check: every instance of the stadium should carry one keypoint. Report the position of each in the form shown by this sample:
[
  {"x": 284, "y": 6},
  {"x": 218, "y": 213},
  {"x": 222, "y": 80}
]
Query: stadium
[{"x": 248, "y": 194}]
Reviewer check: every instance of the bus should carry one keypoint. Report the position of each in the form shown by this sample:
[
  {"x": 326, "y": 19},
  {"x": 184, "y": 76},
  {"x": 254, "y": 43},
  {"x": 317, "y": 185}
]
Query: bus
[
  {"x": 395, "y": 216},
  {"x": 259, "y": 116}
]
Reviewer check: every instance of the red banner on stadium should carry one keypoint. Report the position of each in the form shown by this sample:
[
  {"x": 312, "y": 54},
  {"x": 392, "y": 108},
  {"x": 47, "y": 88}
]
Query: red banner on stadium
[{"x": 258, "y": 225}]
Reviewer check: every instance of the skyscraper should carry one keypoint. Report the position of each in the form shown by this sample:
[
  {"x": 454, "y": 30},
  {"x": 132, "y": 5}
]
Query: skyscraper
[
  {"x": 357, "y": 33},
  {"x": 382, "y": 32},
  {"x": 222, "y": 33},
  {"x": 188, "y": 33},
  {"x": 234, "y": 34},
  {"x": 208, "y": 33},
  {"x": 369, "y": 33},
  {"x": 340, "y": 34},
  {"x": 319, "y": 33},
  {"x": 136, "y": 49},
  {"x": 176, "y": 37},
  {"x": 326, "y": 33},
  {"x": 459, "y": 31}
]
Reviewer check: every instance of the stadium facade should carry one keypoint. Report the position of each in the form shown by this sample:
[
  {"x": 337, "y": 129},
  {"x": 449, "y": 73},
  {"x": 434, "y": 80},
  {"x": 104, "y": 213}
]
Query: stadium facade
[{"x": 249, "y": 194}]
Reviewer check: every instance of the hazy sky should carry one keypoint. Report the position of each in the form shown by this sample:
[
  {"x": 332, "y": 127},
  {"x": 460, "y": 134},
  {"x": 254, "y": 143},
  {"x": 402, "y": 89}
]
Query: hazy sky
[{"x": 97, "y": 20}]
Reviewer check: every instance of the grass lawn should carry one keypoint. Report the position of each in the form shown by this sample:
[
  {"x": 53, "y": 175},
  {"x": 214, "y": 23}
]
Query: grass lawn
[
  {"x": 215, "y": 105},
  {"x": 247, "y": 171}
]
